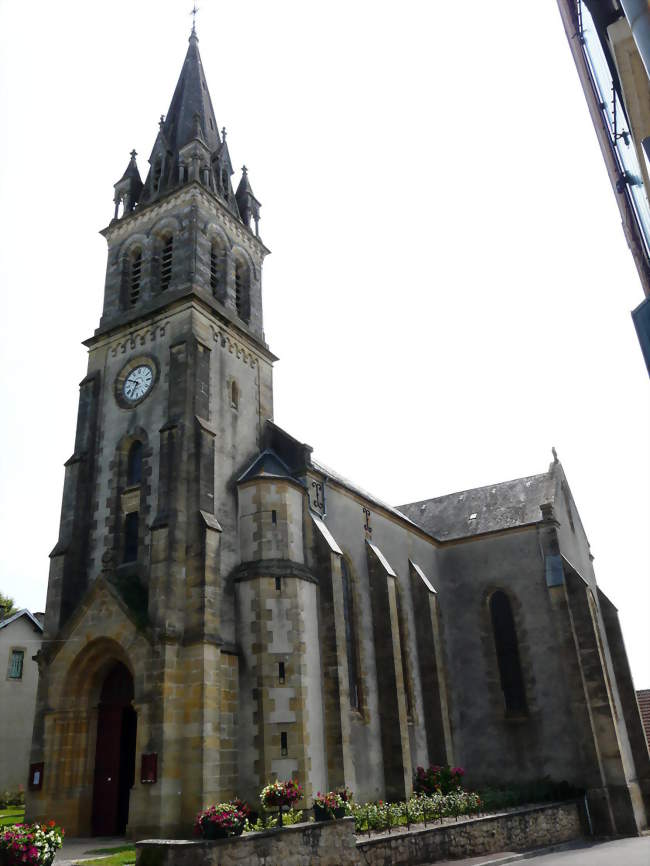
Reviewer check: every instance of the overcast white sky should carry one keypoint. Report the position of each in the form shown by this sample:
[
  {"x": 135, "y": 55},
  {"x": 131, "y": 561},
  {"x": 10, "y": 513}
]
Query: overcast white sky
[{"x": 449, "y": 291}]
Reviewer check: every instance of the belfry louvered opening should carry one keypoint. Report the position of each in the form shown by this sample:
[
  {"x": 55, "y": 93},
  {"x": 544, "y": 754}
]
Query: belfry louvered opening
[
  {"x": 166, "y": 262},
  {"x": 135, "y": 275},
  {"x": 217, "y": 267}
]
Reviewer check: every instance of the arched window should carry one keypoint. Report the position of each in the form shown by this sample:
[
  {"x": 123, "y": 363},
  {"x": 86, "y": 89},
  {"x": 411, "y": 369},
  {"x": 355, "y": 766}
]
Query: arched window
[
  {"x": 350, "y": 638},
  {"x": 507, "y": 649},
  {"x": 166, "y": 262},
  {"x": 134, "y": 464},
  {"x": 131, "y": 527},
  {"x": 241, "y": 289},
  {"x": 224, "y": 183},
  {"x": 135, "y": 273},
  {"x": 234, "y": 394}
]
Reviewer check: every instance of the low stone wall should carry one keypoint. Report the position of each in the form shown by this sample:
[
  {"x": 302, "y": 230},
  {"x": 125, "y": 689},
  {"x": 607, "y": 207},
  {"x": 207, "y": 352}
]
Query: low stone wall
[
  {"x": 333, "y": 843},
  {"x": 509, "y": 831}
]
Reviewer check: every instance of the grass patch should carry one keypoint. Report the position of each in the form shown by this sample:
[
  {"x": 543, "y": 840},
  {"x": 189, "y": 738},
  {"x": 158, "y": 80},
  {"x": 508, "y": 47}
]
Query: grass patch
[
  {"x": 117, "y": 850},
  {"x": 12, "y": 815},
  {"x": 124, "y": 855}
]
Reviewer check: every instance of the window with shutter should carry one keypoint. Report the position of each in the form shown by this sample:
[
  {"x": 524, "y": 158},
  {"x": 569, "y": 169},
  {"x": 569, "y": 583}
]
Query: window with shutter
[{"x": 16, "y": 665}]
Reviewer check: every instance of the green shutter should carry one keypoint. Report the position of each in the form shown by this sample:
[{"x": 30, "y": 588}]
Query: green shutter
[{"x": 16, "y": 666}]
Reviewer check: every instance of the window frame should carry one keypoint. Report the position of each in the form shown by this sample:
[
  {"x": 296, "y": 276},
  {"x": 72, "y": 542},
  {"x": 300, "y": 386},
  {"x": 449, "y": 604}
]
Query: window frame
[{"x": 14, "y": 651}]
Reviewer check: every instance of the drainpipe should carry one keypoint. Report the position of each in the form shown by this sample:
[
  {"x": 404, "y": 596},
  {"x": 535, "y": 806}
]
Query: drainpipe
[{"x": 638, "y": 17}]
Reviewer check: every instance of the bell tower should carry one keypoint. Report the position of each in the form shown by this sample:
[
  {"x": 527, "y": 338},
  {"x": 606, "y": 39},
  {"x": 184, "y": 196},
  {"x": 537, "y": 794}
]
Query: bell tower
[{"x": 179, "y": 386}]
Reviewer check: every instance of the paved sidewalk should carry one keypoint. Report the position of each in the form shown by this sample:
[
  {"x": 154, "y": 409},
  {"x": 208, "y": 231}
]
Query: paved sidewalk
[
  {"x": 74, "y": 850},
  {"x": 501, "y": 858}
]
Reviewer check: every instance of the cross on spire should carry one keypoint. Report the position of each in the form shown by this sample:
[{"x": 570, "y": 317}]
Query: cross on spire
[{"x": 195, "y": 9}]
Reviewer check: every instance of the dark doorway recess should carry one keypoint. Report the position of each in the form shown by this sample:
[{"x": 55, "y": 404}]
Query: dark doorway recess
[{"x": 114, "y": 753}]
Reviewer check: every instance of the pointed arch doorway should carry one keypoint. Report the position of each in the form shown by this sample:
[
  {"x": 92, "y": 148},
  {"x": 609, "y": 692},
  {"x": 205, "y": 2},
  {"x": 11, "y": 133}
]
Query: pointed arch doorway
[{"x": 114, "y": 753}]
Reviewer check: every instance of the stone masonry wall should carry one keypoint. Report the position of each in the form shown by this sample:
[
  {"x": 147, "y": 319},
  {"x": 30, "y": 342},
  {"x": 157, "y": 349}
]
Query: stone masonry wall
[
  {"x": 334, "y": 843},
  {"x": 527, "y": 828},
  {"x": 326, "y": 844}
]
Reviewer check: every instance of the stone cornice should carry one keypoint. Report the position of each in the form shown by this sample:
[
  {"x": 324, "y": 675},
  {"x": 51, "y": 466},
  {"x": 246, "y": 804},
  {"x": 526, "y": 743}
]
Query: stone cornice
[
  {"x": 272, "y": 568},
  {"x": 153, "y": 324}
]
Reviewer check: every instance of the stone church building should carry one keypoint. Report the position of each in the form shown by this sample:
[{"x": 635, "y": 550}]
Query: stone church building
[{"x": 223, "y": 609}]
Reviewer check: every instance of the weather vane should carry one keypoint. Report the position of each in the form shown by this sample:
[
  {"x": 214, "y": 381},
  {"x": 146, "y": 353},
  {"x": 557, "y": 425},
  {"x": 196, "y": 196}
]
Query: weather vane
[{"x": 193, "y": 14}]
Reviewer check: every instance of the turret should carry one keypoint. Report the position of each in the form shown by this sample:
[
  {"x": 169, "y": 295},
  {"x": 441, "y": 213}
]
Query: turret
[
  {"x": 128, "y": 188},
  {"x": 249, "y": 206}
]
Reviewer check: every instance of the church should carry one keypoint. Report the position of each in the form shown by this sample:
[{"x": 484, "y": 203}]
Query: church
[{"x": 223, "y": 609}]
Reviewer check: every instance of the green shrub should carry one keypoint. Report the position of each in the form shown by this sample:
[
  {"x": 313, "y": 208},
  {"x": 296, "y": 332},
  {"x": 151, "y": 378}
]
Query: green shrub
[{"x": 381, "y": 816}]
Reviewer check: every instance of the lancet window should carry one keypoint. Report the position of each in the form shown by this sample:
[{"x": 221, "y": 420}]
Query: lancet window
[{"x": 507, "y": 650}]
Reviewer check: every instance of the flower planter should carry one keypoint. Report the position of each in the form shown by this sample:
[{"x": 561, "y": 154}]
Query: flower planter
[
  {"x": 322, "y": 814},
  {"x": 220, "y": 821}
]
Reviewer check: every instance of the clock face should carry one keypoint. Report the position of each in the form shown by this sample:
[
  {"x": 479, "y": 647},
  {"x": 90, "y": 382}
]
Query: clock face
[{"x": 138, "y": 383}]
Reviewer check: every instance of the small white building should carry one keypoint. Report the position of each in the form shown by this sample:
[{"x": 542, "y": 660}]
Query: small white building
[{"x": 21, "y": 635}]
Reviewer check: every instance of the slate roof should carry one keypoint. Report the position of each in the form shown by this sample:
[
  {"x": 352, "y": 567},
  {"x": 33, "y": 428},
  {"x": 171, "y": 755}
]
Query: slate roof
[
  {"x": 267, "y": 463},
  {"x": 345, "y": 482},
  {"x": 191, "y": 97},
  {"x": 458, "y": 515},
  {"x": 483, "y": 509},
  {"x": 643, "y": 697}
]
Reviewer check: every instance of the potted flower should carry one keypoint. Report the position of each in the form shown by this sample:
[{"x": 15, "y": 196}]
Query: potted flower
[
  {"x": 346, "y": 795},
  {"x": 329, "y": 806},
  {"x": 220, "y": 821},
  {"x": 280, "y": 795},
  {"x": 438, "y": 780},
  {"x": 30, "y": 844}
]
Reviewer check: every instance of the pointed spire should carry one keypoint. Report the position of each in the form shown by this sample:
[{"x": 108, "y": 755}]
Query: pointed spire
[
  {"x": 249, "y": 206},
  {"x": 132, "y": 169},
  {"x": 188, "y": 147},
  {"x": 128, "y": 187},
  {"x": 191, "y": 97}
]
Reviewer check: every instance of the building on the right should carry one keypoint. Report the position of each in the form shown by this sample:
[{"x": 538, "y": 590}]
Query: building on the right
[{"x": 610, "y": 44}]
